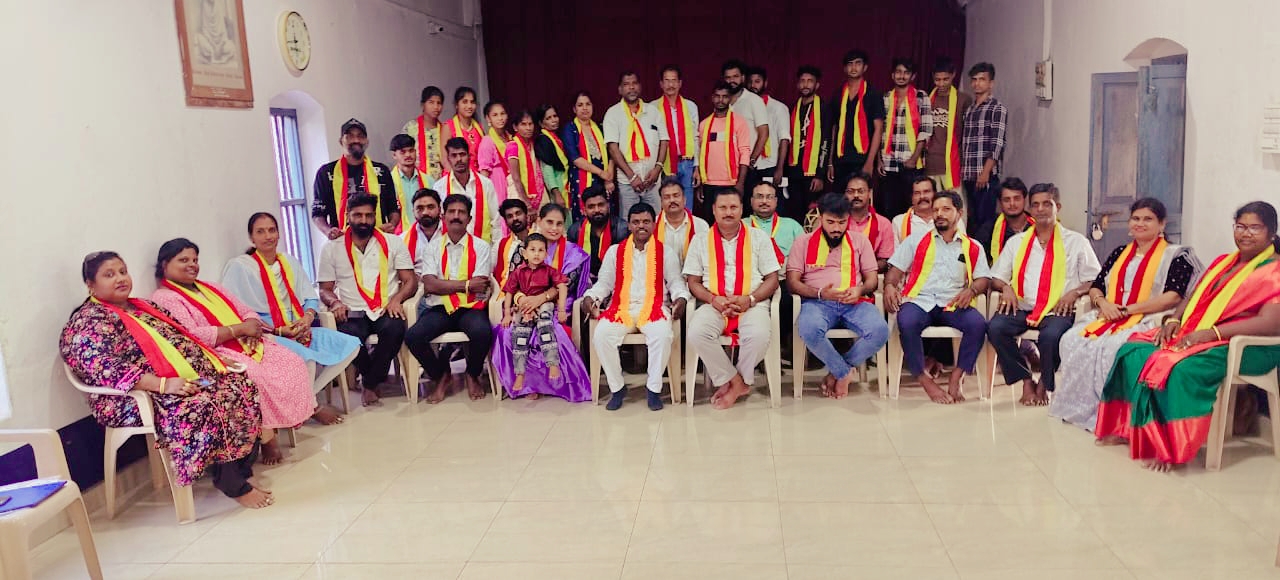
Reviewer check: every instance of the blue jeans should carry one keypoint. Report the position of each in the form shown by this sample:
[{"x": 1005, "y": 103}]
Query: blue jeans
[
  {"x": 819, "y": 316},
  {"x": 912, "y": 320},
  {"x": 684, "y": 172}
]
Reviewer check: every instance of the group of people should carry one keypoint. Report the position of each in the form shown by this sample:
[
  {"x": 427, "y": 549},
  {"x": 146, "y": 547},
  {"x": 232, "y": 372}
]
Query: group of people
[{"x": 549, "y": 226}]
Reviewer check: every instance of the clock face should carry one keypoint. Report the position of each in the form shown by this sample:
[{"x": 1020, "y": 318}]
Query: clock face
[{"x": 295, "y": 42}]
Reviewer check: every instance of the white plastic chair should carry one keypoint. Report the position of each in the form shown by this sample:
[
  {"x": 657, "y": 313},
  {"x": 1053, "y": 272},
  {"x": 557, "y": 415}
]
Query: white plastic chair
[
  {"x": 1083, "y": 307},
  {"x": 1221, "y": 423},
  {"x": 636, "y": 337},
  {"x": 162, "y": 468},
  {"x": 327, "y": 320},
  {"x": 409, "y": 363},
  {"x": 772, "y": 357},
  {"x": 17, "y": 526},
  {"x": 896, "y": 354},
  {"x": 800, "y": 353}
]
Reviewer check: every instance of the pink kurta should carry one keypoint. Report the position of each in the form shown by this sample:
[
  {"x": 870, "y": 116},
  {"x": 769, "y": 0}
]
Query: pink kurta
[
  {"x": 284, "y": 384},
  {"x": 494, "y": 161}
]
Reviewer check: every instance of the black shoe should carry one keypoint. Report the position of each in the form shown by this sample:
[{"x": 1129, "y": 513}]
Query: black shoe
[
  {"x": 615, "y": 401},
  {"x": 655, "y": 401}
]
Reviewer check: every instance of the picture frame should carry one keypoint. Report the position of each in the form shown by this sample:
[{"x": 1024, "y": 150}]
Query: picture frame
[
  {"x": 214, "y": 53},
  {"x": 1044, "y": 80}
]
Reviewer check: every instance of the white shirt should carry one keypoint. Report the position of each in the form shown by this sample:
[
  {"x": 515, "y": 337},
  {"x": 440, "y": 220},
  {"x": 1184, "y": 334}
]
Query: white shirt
[
  {"x": 1082, "y": 264},
  {"x": 917, "y": 224},
  {"x": 949, "y": 274},
  {"x": 779, "y": 119},
  {"x": 431, "y": 262},
  {"x": 652, "y": 124},
  {"x": 691, "y": 117},
  {"x": 763, "y": 260},
  {"x": 335, "y": 266},
  {"x": 422, "y": 242},
  {"x": 751, "y": 107},
  {"x": 674, "y": 236},
  {"x": 490, "y": 200},
  {"x": 673, "y": 289}
]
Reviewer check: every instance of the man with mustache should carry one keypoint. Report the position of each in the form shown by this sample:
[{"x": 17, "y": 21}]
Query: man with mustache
[
  {"x": 600, "y": 229},
  {"x": 725, "y": 152},
  {"x": 921, "y": 214},
  {"x": 635, "y": 133},
  {"x": 354, "y": 172},
  {"x": 426, "y": 226},
  {"x": 863, "y": 218},
  {"x": 807, "y": 155},
  {"x": 455, "y": 291},
  {"x": 676, "y": 225},
  {"x": 506, "y": 253},
  {"x": 462, "y": 179},
  {"x": 748, "y": 106},
  {"x": 365, "y": 276},
  {"x": 831, "y": 269}
]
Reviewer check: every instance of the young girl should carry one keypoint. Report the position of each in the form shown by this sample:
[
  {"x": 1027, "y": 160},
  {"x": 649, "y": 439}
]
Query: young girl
[{"x": 530, "y": 279}]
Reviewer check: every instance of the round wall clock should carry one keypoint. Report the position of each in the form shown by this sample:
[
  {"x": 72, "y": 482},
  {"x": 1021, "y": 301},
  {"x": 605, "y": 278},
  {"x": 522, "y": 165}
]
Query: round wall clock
[{"x": 295, "y": 42}]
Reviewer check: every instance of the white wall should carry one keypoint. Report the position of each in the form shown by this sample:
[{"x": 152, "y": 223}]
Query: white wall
[
  {"x": 101, "y": 151},
  {"x": 1230, "y": 77}
]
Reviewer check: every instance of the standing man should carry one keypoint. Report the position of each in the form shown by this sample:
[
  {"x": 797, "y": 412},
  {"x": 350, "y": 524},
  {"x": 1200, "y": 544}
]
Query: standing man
[
  {"x": 748, "y": 106},
  {"x": 725, "y": 152},
  {"x": 600, "y": 229},
  {"x": 365, "y": 277},
  {"x": 681, "y": 116},
  {"x": 506, "y": 254},
  {"x": 808, "y": 150},
  {"x": 910, "y": 124},
  {"x": 832, "y": 269},
  {"x": 428, "y": 132},
  {"x": 778, "y": 146},
  {"x": 426, "y": 225},
  {"x": 462, "y": 179},
  {"x": 733, "y": 272},
  {"x": 858, "y": 115},
  {"x": 944, "y": 272},
  {"x": 1012, "y": 219},
  {"x": 456, "y": 289},
  {"x": 354, "y": 172},
  {"x": 406, "y": 178},
  {"x": 982, "y": 151},
  {"x": 637, "y": 139},
  {"x": 676, "y": 225},
  {"x": 942, "y": 154},
  {"x": 1040, "y": 274},
  {"x": 641, "y": 297},
  {"x": 864, "y": 219}
]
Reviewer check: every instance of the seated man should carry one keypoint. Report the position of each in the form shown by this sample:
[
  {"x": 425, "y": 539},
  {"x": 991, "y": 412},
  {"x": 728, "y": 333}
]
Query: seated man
[
  {"x": 455, "y": 291},
  {"x": 506, "y": 253},
  {"x": 676, "y": 225},
  {"x": 486, "y": 224},
  {"x": 733, "y": 271},
  {"x": 920, "y": 215},
  {"x": 600, "y": 229},
  {"x": 1030, "y": 297},
  {"x": 783, "y": 231},
  {"x": 863, "y": 219},
  {"x": 944, "y": 270},
  {"x": 364, "y": 285},
  {"x": 831, "y": 269},
  {"x": 643, "y": 297}
]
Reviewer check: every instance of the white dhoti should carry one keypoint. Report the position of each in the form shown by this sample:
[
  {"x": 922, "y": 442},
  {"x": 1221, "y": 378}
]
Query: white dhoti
[
  {"x": 657, "y": 338},
  {"x": 705, "y": 330}
]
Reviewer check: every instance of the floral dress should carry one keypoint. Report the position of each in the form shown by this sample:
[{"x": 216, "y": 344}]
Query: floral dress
[{"x": 219, "y": 424}]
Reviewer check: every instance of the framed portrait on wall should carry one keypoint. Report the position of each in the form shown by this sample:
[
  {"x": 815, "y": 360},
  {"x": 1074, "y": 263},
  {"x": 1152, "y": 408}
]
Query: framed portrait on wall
[{"x": 215, "y": 53}]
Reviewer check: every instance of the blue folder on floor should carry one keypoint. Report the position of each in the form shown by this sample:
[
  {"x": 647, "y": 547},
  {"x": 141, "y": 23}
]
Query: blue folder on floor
[{"x": 28, "y": 494}]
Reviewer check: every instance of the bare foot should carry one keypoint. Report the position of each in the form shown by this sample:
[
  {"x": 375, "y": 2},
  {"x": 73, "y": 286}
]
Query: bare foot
[
  {"x": 932, "y": 367},
  {"x": 931, "y": 388},
  {"x": 441, "y": 389},
  {"x": 327, "y": 415},
  {"x": 519, "y": 384},
  {"x": 840, "y": 388},
  {"x": 1028, "y": 393},
  {"x": 370, "y": 398},
  {"x": 828, "y": 385},
  {"x": 271, "y": 454},
  {"x": 1110, "y": 441},
  {"x": 720, "y": 392},
  {"x": 256, "y": 499},
  {"x": 259, "y": 488},
  {"x": 533, "y": 396},
  {"x": 735, "y": 390},
  {"x": 956, "y": 386},
  {"x": 1042, "y": 396},
  {"x": 474, "y": 390},
  {"x": 1159, "y": 466},
  {"x": 553, "y": 372}
]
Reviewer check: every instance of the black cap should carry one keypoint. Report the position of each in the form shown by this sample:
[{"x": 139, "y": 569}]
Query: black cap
[{"x": 354, "y": 124}]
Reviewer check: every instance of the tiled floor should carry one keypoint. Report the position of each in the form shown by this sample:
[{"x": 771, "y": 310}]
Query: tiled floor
[{"x": 819, "y": 489}]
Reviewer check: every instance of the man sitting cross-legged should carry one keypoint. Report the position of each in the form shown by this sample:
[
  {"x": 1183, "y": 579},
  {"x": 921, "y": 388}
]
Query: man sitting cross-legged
[
  {"x": 831, "y": 269},
  {"x": 642, "y": 277}
]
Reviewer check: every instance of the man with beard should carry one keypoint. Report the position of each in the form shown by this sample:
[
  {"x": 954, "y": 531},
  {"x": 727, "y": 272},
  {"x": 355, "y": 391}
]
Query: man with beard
[
  {"x": 732, "y": 270},
  {"x": 724, "y": 155},
  {"x": 464, "y": 180},
  {"x": 748, "y": 106},
  {"x": 676, "y": 225},
  {"x": 944, "y": 272},
  {"x": 641, "y": 296},
  {"x": 1012, "y": 219},
  {"x": 600, "y": 229},
  {"x": 354, "y": 172},
  {"x": 636, "y": 136},
  {"x": 407, "y": 180},
  {"x": 426, "y": 225},
  {"x": 455, "y": 292},
  {"x": 808, "y": 150},
  {"x": 908, "y": 126},
  {"x": 506, "y": 253},
  {"x": 857, "y": 115},
  {"x": 778, "y": 145},
  {"x": 364, "y": 278},
  {"x": 831, "y": 269},
  {"x": 863, "y": 218}
]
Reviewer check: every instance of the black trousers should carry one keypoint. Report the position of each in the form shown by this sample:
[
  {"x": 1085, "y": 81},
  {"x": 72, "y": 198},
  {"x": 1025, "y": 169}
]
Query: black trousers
[
  {"x": 893, "y": 194},
  {"x": 799, "y": 198},
  {"x": 982, "y": 202},
  {"x": 1002, "y": 333},
  {"x": 374, "y": 367},
  {"x": 435, "y": 321},
  {"x": 232, "y": 478}
]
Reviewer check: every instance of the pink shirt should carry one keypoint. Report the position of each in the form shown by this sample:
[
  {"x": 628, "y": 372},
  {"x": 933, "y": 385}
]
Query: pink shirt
[
  {"x": 537, "y": 190},
  {"x": 717, "y": 169},
  {"x": 829, "y": 273},
  {"x": 883, "y": 242},
  {"x": 495, "y": 162}
]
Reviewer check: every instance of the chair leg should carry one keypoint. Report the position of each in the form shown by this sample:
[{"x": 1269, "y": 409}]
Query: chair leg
[
  {"x": 184, "y": 502},
  {"x": 593, "y": 369},
  {"x": 293, "y": 436},
  {"x": 15, "y": 553},
  {"x": 344, "y": 385},
  {"x": 493, "y": 381},
  {"x": 158, "y": 480},
  {"x": 1273, "y": 401},
  {"x": 882, "y": 374},
  {"x": 1218, "y": 430},
  {"x": 109, "y": 450},
  {"x": 798, "y": 361},
  {"x": 896, "y": 356},
  {"x": 773, "y": 370},
  {"x": 673, "y": 368},
  {"x": 80, "y": 519},
  {"x": 691, "y": 375}
]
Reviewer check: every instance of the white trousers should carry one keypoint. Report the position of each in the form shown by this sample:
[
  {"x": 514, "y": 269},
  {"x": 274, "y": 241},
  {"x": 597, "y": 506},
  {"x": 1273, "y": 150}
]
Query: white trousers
[
  {"x": 754, "y": 332},
  {"x": 657, "y": 337}
]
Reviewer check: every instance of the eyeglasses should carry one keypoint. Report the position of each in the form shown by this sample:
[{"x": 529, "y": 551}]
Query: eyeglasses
[
  {"x": 765, "y": 197},
  {"x": 1252, "y": 229}
]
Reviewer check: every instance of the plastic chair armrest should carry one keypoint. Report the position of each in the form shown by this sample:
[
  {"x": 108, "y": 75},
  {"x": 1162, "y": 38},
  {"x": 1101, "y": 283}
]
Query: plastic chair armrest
[{"x": 47, "y": 447}]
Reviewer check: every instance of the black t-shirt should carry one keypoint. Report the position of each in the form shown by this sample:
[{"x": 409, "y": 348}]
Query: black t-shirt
[
  {"x": 322, "y": 200},
  {"x": 873, "y": 100},
  {"x": 618, "y": 233}
]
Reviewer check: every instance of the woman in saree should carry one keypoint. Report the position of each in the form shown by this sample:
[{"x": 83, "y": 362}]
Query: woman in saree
[
  {"x": 573, "y": 384},
  {"x": 209, "y": 312},
  {"x": 522, "y": 163},
  {"x": 206, "y": 417},
  {"x": 1140, "y": 281},
  {"x": 464, "y": 123},
  {"x": 276, "y": 287},
  {"x": 585, "y": 148},
  {"x": 492, "y": 157},
  {"x": 550, "y": 151},
  {"x": 1161, "y": 391}
]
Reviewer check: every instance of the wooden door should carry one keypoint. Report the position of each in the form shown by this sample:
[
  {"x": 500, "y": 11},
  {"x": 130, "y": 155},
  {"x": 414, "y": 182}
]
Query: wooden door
[
  {"x": 1113, "y": 160},
  {"x": 1161, "y": 127}
]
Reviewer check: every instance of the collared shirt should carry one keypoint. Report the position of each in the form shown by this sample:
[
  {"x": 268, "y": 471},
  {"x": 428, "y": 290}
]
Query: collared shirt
[
  {"x": 806, "y": 125},
  {"x": 435, "y": 147},
  {"x": 821, "y": 276},
  {"x": 899, "y": 141},
  {"x": 675, "y": 236},
  {"x": 336, "y": 267},
  {"x": 322, "y": 202},
  {"x": 617, "y": 128},
  {"x": 750, "y": 107},
  {"x": 984, "y": 130},
  {"x": 409, "y": 185},
  {"x": 423, "y": 240},
  {"x": 883, "y": 244},
  {"x": 788, "y": 230},
  {"x": 490, "y": 200},
  {"x": 431, "y": 262},
  {"x": 949, "y": 274},
  {"x": 763, "y": 260},
  {"x": 673, "y": 288},
  {"x": 779, "y": 119},
  {"x": 918, "y": 224},
  {"x": 718, "y": 172},
  {"x": 691, "y": 117},
  {"x": 935, "y": 159},
  {"x": 1082, "y": 264}
]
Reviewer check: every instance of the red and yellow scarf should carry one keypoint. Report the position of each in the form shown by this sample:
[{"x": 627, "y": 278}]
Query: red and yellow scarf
[
  {"x": 926, "y": 257},
  {"x": 381, "y": 294},
  {"x": 284, "y": 309},
  {"x": 913, "y": 122},
  {"x": 729, "y": 137},
  {"x": 679, "y": 129},
  {"x": 525, "y": 159},
  {"x": 951, "y": 175},
  {"x": 166, "y": 360},
  {"x": 501, "y": 260},
  {"x": 586, "y": 178},
  {"x": 619, "y": 309},
  {"x": 997, "y": 235},
  {"x": 716, "y": 283},
  {"x": 424, "y": 155},
  {"x": 812, "y": 140},
  {"x": 1142, "y": 281},
  {"x": 1053, "y": 274},
  {"x": 471, "y": 136},
  {"x": 340, "y": 194},
  {"x": 217, "y": 310},
  {"x": 818, "y": 251},
  {"x": 773, "y": 236},
  {"x": 637, "y": 145},
  {"x": 861, "y": 132},
  {"x": 467, "y": 270},
  {"x": 557, "y": 254},
  {"x": 872, "y": 229},
  {"x": 483, "y": 225},
  {"x": 595, "y": 250},
  {"x": 660, "y": 231},
  {"x": 406, "y": 197}
]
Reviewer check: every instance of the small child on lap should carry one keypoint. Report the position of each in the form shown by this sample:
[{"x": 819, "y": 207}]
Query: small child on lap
[{"x": 532, "y": 278}]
